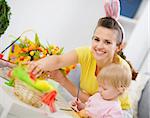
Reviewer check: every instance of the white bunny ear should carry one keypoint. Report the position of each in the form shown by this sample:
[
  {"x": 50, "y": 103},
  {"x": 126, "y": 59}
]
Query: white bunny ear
[
  {"x": 112, "y": 8},
  {"x": 116, "y": 9}
]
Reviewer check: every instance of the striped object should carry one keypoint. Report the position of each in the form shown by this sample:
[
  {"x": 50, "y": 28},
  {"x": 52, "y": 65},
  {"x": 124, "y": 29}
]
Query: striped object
[{"x": 112, "y": 8}]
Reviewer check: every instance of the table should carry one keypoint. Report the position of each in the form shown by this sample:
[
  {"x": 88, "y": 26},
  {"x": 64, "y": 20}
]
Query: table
[{"x": 12, "y": 107}]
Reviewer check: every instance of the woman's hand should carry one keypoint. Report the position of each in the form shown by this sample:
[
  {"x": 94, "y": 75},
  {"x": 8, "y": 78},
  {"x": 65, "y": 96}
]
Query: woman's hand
[
  {"x": 48, "y": 63},
  {"x": 38, "y": 67}
]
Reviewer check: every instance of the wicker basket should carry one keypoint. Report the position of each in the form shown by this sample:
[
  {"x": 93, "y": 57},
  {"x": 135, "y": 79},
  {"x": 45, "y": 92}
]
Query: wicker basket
[{"x": 27, "y": 93}]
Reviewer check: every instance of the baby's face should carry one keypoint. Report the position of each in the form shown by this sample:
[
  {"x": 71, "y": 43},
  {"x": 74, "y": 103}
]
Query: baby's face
[{"x": 108, "y": 92}]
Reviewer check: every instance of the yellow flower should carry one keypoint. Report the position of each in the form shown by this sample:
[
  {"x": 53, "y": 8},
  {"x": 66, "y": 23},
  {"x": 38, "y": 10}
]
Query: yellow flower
[{"x": 31, "y": 53}]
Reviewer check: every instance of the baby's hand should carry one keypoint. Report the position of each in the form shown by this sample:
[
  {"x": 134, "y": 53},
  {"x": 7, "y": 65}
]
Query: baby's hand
[
  {"x": 73, "y": 105},
  {"x": 77, "y": 105}
]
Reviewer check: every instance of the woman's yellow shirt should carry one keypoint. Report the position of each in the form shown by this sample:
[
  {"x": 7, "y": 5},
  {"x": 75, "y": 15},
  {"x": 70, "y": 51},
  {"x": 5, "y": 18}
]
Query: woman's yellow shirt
[{"x": 88, "y": 80}]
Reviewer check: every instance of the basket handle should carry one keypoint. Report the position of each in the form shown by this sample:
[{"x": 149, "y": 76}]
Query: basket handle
[{"x": 1, "y": 54}]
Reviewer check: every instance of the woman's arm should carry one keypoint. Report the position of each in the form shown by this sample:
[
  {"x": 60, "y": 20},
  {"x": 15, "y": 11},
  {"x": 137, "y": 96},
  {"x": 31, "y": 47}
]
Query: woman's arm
[
  {"x": 55, "y": 62},
  {"x": 73, "y": 90},
  {"x": 50, "y": 63},
  {"x": 5, "y": 63},
  {"x": 66, "y": 83}
]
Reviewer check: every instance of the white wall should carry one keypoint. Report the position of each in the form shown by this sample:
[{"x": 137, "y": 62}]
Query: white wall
[
  {"x": 68, "y": 23},
  {"x": 146, "y": 64},
  {"x": 138, "y": 45}
]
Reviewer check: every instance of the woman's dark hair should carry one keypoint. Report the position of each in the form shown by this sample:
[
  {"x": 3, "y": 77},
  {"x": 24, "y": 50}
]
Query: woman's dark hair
[
  {"x": 111, "y": 23},
  {"x": 134, "y": 72}
]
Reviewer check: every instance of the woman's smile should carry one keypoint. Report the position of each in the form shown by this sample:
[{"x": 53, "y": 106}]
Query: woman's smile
[{"x": 100, "y": 52}]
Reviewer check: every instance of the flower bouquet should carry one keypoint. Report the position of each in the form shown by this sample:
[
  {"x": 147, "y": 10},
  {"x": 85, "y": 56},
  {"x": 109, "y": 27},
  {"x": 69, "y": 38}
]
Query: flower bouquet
[
  {"x": 33, "y": 91},
  {"x": 26, "y": 50}
]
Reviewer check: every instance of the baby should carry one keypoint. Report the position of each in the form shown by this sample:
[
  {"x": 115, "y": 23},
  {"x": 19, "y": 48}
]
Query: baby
[{"x": 113, "y": 81}]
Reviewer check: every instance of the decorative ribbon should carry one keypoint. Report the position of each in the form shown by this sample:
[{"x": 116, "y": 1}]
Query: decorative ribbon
[{"x": 49, "y": 100}]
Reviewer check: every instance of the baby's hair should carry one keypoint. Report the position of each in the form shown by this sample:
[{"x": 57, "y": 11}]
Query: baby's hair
[{"x": 116, "y": 74}]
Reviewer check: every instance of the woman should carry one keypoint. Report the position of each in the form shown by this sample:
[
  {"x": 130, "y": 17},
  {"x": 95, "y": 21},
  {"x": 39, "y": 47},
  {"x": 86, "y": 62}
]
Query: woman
[{"x": 106, "y": 43}]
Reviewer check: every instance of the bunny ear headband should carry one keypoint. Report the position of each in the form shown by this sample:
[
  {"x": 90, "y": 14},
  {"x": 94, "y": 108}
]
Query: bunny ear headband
[{"x": 112, "y": 9}]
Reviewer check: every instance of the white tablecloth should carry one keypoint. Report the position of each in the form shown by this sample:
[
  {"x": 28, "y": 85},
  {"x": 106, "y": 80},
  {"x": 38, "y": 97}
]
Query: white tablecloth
[{"x": 14, "y": 108}]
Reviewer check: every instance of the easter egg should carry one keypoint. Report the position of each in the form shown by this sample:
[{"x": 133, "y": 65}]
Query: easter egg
[{"x": 43, "y": 85}]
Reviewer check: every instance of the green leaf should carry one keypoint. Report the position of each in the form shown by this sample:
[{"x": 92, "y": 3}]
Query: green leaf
[
  {"x": 10, "y": 82},
  {"x": 60, "y": 52},
  {"x": 21, "y": 45},
  {"x": 23, "y": 54},
  {"x": 4, "y": 16},
  {"x": 37, "y": 41},
  {"x": 36, "y": 55}
]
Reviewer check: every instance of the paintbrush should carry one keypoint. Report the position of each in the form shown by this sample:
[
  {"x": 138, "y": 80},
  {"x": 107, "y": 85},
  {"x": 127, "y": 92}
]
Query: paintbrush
[
  {"x": 78, "y": 92},
  {"x": 1, "y": 54},
  {"x": 10, "y": 45},
  {"x": 65, "y": 109},
  {"x": 6, "y": 60}
]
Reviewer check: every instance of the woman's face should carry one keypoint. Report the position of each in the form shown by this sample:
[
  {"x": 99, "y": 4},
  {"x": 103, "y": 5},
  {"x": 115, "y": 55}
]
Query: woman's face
[{"x": 104, "y": 44}]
